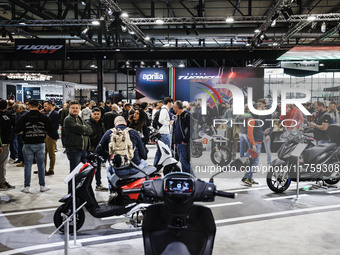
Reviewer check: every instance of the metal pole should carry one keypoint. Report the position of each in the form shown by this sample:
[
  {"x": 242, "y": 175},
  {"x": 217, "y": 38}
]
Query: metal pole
[
  {"x": 297, "y": 177},
  {"x": 74, "y": 209},
  {"x": 66, "y": 236},
  {"x": 100, "y": 77}
]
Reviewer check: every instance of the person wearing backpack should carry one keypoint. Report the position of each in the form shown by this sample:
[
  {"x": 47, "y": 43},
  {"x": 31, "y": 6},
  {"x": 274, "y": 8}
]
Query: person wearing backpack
[
  {"x": 122, "y": 145},
  {"x": 162, "y": 122},
  {"x": 182, "y": 136}
]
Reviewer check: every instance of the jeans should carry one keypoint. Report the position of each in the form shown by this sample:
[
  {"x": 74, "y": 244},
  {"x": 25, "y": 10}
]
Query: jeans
[
  {"x": 129, "y": 171},
  {"x": 20, "y": 145},
  {"x": 50, "y": 145},
  {"x": 13, "y": 145},
  {"x": 98, "y": 173},
  {"x": 322, "y": 141},
  {"x": 244, "y": 141},
  {"x": 166, "y": 139},
  {"x": 183, "y": 150},
  {"x": 75, "y": 157},
  {"x": 268, "y": 151},
  {"x": 3, "y": 162},
  {"x": 38, "y": 151},
  {"x": 249, "y": 172}
]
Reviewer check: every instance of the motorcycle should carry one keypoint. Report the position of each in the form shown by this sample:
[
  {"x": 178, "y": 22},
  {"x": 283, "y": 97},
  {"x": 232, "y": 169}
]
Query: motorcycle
[
  {"x": 220, "y": 154},
  {"x": 317, "y": 163},
  {"x": 128, "y": 205},
  {"x": 174, "y": 221}
]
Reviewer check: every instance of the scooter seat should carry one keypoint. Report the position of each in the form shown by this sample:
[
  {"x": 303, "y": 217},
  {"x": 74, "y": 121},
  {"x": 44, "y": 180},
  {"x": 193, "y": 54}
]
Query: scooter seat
[
  {"x": 148, "y": 170},
  {"x": 311, "y": 153}
]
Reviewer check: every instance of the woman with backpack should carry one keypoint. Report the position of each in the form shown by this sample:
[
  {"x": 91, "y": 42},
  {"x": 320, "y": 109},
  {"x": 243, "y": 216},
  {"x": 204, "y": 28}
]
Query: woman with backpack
[{"x": 137, "y": 121}]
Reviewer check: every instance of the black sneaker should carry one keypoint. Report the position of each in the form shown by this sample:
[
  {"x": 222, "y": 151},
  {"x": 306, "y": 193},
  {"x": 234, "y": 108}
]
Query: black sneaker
[
  {"x": 35, "y": 172},
  {"x": 17, "y": 162},
  {"x": 246, "y": 181},
  {"x": 253, "y": 181},
  {"x": 6, "y": 186}
]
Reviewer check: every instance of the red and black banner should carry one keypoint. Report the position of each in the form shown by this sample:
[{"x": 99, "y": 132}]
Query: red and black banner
[{"x": 40, "y": 49}]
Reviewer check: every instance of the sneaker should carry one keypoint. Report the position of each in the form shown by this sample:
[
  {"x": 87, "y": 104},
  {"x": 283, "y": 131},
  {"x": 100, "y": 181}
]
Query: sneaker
[
  {"x": 6, "y": 186},
  {"x": 101, "y": 188},
  {"x": 11, "y": 160},
  {"x": 44, "y": 188},
  {"x": 247, "y": 181},
  {"x": 49, "y": 173},
  {"x": 56, "y": 150},
  {"x": 21, "y": 164},
  {"x": 112, "y": 196},
  {"x": 25, "y": 189},
  {"x": 35, "y": 172},
  {"x": 253, "y": 181},
  {"x": 17, "y": 161}
]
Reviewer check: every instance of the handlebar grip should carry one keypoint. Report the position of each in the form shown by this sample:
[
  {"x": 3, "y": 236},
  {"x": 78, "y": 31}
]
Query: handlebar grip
[
  {"x": 131, "y": 191},
  {"x": 225, "y": 194}
]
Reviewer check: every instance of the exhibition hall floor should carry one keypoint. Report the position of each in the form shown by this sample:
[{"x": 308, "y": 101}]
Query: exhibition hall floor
[{"x": 256, "y": 222}]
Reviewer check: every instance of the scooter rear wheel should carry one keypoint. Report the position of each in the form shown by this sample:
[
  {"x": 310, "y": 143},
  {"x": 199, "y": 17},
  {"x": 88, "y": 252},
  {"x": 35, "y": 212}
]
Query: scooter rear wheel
[
  {"x": 278, "y": 181},
  {"x": 58, "y": 219}
]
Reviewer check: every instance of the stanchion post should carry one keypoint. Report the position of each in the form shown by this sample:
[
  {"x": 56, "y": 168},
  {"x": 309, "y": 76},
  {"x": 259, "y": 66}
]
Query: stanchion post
[
  {"x": 297, "y": 177},
  {"x": 74, "y": 209}
]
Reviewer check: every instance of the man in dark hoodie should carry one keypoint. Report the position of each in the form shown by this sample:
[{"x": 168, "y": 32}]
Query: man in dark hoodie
[
  {"x": 5, "y": 131},
  {"x": 34, "y": 125}
]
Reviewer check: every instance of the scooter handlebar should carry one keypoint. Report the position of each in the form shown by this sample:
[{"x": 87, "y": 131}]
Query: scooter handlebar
[{"x": 225, "y": 194}]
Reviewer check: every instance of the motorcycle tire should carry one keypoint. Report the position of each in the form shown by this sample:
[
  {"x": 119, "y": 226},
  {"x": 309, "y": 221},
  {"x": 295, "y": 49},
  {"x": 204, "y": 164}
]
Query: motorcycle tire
[
  {"x": 223, "y": 162},
  {"x": 272, "y": 185},
  {"x": 58, "y": 219},
  {"x": 332, "y": 181},
  {"x": 171, "y": 169}
]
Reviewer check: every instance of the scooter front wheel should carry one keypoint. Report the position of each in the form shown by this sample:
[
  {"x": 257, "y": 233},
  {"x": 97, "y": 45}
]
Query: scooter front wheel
[
  {"x": 220, "y": 156},
  {"x": 278, "y": 181},
  {"x": 58, "y": 218}
]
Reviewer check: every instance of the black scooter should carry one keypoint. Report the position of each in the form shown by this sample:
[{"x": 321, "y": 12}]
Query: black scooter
[
  {"x": 317, "y": 163},
  {"x": 175, "y": 225}
]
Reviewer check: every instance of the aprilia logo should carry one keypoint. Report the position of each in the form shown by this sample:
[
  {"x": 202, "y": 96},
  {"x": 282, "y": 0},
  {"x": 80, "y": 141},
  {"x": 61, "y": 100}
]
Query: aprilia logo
[{"x": 153, "y": 77}]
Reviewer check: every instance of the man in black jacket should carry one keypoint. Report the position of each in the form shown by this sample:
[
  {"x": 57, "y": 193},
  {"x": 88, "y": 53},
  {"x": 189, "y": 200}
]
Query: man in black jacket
[
  {"x": 98, "y": 131},
  {"x": 13, "y": 144},
  {"x": 5, "y": 131},
  {"x": 109, "y": 117},
  {"x": 182, "y": 136},
  {"x": 34, "y": 125},
  {"x": 52, "y": 135}
]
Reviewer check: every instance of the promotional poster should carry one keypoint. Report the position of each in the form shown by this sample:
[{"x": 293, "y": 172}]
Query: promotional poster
[{"x": 31, "y": 93}]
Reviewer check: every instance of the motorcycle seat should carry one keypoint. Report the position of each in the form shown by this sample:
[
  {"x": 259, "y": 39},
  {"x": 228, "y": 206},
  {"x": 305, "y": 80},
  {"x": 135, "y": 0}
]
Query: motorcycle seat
[
  {"x": 149, "y": 170},
  {"x": 311, "y": 153}
]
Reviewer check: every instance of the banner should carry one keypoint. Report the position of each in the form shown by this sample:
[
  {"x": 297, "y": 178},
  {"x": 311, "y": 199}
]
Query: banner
[
  {"x": 31, "y": 93},
  {"x": 152, "y": 84},
  {"x": 11, "y": 92},
  {"x": 40, "y": 49},
  {"x": 301, "y": 65}
]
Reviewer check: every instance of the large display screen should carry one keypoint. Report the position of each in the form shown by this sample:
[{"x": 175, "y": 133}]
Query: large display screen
[{"x": 312, "y": 53}]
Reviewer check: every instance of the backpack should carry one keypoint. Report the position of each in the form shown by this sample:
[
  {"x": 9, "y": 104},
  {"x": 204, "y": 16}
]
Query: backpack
[
  {"x": 121, "y": 147},
  {"x": 155, "y": 123}
]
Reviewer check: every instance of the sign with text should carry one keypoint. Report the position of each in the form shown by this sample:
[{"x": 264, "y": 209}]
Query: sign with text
[
  {"x": 301, "y": 65},
  {"x": 41, "y": 49}
]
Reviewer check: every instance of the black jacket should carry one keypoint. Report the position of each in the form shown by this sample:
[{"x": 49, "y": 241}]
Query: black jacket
[
  {"x": 98, "y": 131},
  {"x": 5, "y": 127},
  {"x": 109, "y": 119},
  {"x": 34, "y": 126},
  {"x": 54, "y": 117},
  {"x": 76, "y": 135},
  {"x": 182, "y": 128}
]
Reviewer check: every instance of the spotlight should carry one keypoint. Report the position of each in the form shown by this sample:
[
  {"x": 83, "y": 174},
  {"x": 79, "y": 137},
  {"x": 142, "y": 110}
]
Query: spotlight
[
  {"x": 85, "y": 30},
  {"x": 257, "y": 30},
  {"x": 28, "y": 66},
  {"x": 159, "y": 21},
  {"x": 311, "y": 18},
  {"x": 273, "y": 23},
  {"x": 109, "y": 11},
  {"x": 323, "y": 27},
  {"x": 229, "y": 20},
  {"x": 125, "y": 15},
  {"x": 147, "y": 38},
  {"x": 83, "y": 3},
  {"x": 95, "y": 22},
  {"x": 181, "y": 65},
  {"x": 275, "y": 44},
  {"x": 124, "y": 28},
  {"x": 131, "y": 32}
]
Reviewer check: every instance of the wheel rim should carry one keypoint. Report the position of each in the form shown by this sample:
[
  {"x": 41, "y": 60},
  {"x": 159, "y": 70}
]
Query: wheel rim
[{"x": 279, "y": 179}]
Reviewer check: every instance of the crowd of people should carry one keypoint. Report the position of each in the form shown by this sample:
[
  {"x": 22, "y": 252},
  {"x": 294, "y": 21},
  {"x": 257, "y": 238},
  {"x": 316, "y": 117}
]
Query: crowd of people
[{"x": 29, "y": 132}]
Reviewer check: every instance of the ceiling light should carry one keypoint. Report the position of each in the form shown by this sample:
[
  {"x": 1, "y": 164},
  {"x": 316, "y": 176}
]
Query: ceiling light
[
  {"x": 257, "y": 30},
  {"x": 109, "y": 11},
  {"x": 28, "y": 66},
  {"x": 95, "y": 22},
  {"x": 275, "y": 44},
  {"x": 124, "y": 28},
  {"x": 157, "y": 63},
  {"x": 83, "y": 3},
  {"x": 323, "y": 27},
  {"x": 147, "y": 38},
  {"x": 159, "y": 21},
  {"x": 125, "y": 15},
  {"x": 117, "y": 49},
  {"x": 248, "y": 44},
  {"x": 229, "y": 20},
  {"x": 131, "y": 32},
  {"x": 311, "y": 18},
  {"x": 166, "y": 45},
  {"x": 85, "y": 30},
  {"x": 181, "y": 65},
  {"x": 22, "y": 23},
  {"x": 273, "y": 23},
  {"x": 93, "y": 66}
]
